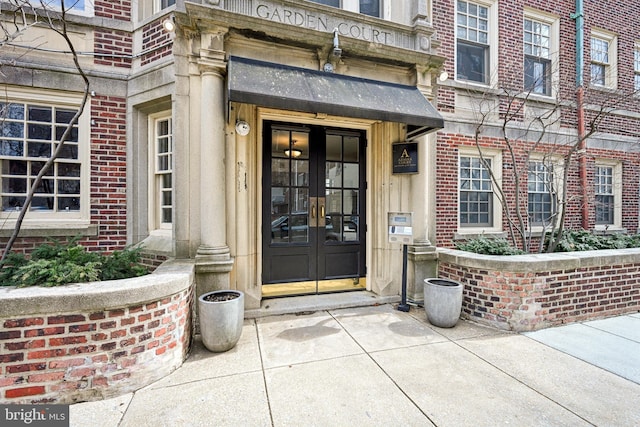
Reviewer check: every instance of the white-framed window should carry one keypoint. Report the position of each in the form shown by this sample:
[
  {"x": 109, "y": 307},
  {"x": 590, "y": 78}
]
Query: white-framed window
[
  {"x": 608, "y": 194},
  {"x": 603, "y": 59},
  {"x": 161, "y": 165},
  {"x": 542, "y": 193},
  {"x": 31, "y": 126},
  {"x": 159, "y": 5},
  {"x": 636, "y": 67},
  {"x": 540, "y": 52},
  {"x": 479, "y": 209},
  {"x": 473, "y": 40},
  {"x": 77, "y": 7},
  {"x": 366, "y": 7}
]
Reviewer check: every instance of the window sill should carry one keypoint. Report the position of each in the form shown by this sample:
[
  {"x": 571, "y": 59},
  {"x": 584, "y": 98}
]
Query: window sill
[
  {"x": 51, "y": 230},
  {"x": 606, "y": 89},
  {"x": 462, "y": 235},
  {"x": 609, "y": 229}
]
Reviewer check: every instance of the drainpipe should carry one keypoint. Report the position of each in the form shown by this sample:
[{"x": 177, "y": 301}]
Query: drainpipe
[{"x": 582, "y": 149}]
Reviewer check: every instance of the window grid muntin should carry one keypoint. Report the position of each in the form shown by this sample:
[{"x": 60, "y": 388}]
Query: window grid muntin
[
  {"x": 476, "y": 192},
  {"x": 472, "y": 42},
  {"x": 537, "y": 38},
  {"x": 537, "y": 51},
  {"x": 541, "y": 193},
  {"x": 29, "y": 134},
  {"x": 599, "y": 61},
  {"x": 604, "y": 194},
  {"x": 164, "y": 170}
]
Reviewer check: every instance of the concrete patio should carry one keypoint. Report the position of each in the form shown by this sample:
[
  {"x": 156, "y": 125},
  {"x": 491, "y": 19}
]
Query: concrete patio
[{"x": 376, "y": 366}]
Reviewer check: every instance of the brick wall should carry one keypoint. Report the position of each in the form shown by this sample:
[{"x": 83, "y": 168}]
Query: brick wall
[
  {"x": 156, "y": 42},
  {"x": 109, "y": 171},
  {"x": 498, "y": 291},
  {"x": 78, "y": 356},
  {"x": 113, "y": 48},
  {"x": 115, "y": 9},
  {"x": 448, "y": 146}
]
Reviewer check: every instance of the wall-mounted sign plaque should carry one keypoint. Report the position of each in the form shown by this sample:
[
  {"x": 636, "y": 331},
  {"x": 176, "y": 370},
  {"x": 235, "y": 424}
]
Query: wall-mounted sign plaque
[{"x": 405, "y": 157}]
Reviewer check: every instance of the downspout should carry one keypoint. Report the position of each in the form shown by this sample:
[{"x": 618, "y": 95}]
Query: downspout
[{"x": 582, "y": 149}]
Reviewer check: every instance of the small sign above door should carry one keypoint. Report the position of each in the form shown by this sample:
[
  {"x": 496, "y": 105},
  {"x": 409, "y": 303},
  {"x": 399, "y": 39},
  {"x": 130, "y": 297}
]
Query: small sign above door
[{"x": 405, "y": 157}]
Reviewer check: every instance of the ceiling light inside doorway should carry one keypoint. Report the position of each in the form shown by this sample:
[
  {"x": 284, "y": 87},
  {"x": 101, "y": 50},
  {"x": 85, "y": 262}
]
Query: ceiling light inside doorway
[{"x": 293, "y": 153}]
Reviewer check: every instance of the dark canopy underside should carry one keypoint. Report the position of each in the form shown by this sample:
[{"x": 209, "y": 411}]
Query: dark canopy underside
[{"x": 291, "y": 88}]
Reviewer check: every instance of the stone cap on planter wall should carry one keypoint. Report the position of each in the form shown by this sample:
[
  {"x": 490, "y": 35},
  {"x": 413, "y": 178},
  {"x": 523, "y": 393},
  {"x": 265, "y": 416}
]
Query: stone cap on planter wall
[
  {"x": 540, "y": 262},
  {"x": 170, "y": 278}
]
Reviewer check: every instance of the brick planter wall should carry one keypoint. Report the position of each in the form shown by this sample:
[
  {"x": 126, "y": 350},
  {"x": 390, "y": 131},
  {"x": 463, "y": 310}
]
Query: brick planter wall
[
  {"x": 93, "y": 341},
  {"x": 529, "y": 292}
]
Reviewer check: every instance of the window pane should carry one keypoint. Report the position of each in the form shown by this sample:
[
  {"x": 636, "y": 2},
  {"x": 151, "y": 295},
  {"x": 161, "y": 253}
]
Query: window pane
[
  {"x": 40, "y": 114},
  {"x": 476, "y": 206},
  {"x": 472, "y": 62},
  {"x": 597, "y": 74},
  {"x": 39, "y": 132},
  {"x": 13, "y": 130},
  {"x": 11, "y": 148},
  {"x": 11, "y": 111},
  {"x": 334, "y": 3},
  {"x": 370, "y": 7},
  {"x": 537, "y": 75}
]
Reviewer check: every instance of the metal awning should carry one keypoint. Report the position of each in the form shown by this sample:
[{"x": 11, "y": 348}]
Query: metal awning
[{"x": 299, "y": 89}]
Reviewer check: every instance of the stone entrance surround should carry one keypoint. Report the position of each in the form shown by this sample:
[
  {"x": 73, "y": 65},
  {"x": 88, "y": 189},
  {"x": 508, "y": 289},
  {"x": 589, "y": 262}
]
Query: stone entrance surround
[{"x": 96, "y": 340}]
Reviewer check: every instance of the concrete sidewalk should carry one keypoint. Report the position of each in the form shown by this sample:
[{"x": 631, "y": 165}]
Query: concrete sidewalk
[{"x": 376, "y": 366}]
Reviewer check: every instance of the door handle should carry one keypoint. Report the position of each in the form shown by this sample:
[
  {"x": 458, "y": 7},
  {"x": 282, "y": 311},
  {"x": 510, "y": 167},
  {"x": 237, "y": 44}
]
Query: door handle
[
  {"x": 322, "y": 217},
  {"x": 313, "y": 208}
]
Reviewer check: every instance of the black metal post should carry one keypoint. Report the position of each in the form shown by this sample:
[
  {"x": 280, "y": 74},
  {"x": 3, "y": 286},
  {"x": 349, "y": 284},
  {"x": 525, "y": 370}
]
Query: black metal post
[{"x": 403, "y": 303}]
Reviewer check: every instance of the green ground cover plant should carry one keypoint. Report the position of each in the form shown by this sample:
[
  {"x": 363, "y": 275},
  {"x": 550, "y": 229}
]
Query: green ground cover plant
[
  {"x": 571, "y": 241},
  {"x": 56, "y": 263}
]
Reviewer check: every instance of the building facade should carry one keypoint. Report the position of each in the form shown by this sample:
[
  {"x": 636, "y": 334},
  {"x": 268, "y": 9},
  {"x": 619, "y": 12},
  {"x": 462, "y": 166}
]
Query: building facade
[{"x": 265, "y": 140}]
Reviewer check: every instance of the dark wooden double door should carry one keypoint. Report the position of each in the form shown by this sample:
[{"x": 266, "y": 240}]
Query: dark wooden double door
[{"x": 313, "y": 209}]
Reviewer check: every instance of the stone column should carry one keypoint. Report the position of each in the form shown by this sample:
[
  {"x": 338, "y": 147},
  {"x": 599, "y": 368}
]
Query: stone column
[
  {"x": 213, "y": 258},
  {"x": 421, "y": 255}
]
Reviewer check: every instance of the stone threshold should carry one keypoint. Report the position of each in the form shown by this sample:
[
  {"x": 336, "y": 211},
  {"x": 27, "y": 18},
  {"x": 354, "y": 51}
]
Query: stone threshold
[{"x": 312, "y": 303}]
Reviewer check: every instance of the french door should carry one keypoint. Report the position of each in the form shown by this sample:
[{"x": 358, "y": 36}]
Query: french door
[{"x": 313, "y": 210}]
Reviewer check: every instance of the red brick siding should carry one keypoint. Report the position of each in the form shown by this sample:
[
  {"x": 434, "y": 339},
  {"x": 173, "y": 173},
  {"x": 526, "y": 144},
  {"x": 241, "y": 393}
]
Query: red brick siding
[
  {"x": 447, "y": 178},
  {"x": 510, "y": 63},
  {"x": 109, "y": 171},
  {"x": 115, "y": 9},
  {"x": 108, "y": 184},
  {"x": 528, "y": 301},
  {"x": 113, "y": 48},
  {"x": 156, "y": 42},
  {"x": 81, "y": 356}
]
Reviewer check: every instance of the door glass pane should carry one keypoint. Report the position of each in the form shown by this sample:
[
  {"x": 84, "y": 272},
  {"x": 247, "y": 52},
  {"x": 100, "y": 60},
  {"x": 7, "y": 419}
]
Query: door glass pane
[
  {"x": 279, "y": 172},
  {"x": 279, "y": 201},
  {"x": 333, "y": 228},
  {"x": 299, "y": 232},
  {"x": 334, "y": 148},
  {"x": 334, "y": 202},
  {"x": 351, "y": 145},
  {"x": 300, "y": 173},
  {"x": 351, "y": 175},
  {"x": 333, "y": 175},
  {"x": 300, "y": 201},
  {"x": 350, "y": 203}
]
